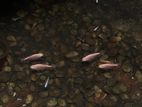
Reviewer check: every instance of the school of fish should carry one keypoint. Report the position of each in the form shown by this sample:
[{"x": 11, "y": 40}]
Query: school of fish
[{"x": 88, "y": 58}]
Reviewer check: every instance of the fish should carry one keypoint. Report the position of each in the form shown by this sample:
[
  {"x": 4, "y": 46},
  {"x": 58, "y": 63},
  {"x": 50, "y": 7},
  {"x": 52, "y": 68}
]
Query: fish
[
  {"x": 96, "y": 28},
  {"x": 33, "y": 57},
  {"x": 108, "y": 66},
  {"x": 46, "y": 83},
  {"x": 39, "y": 67},
  {"x": 97, "y": 1},
  {"x": 90, "y": 57}
]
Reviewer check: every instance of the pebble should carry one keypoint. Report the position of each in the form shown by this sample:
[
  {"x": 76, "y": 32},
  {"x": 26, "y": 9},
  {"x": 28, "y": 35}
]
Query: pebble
[
  {"x": 128, "y": 105},
  {"x": 114, "y": 98},
  {"x": 104, "y": 57},
  {"x": 32, "y": 88},
  {"x": 139, "y": 76},
  {"x": 7, "y": 69},
  {"x": 34, "y": 77},
  {"x": 116, "y": 39},
  {"x": 107, "y": 75},
  {"x": 104, "y": 28},
  {"x": 72, "y": 54},
  {"x": 89, "y": 105},
  {"x": 94, "y": 35},
  {"x": 61, "y": 102},
  {"x": 29, "y": 99},
  {"x": 122, "y": 87},
  {"x": 55, "y": 93},
  {"x": 43, "y": 77},
  {"x": 126, "y": 67},
  {"x": 5, "y": 98},
  {"x": 72, "y": 105},
  {"x": 43, "y": 94},
  {"x": 119, "y": 88},
  {"x": 34, "y": 104},
  {"x": 52, "y": 102},
  {"x": 9, "y": 59},
  {"x": 124, "y": 96},
  {"x": 136, "y": 95},
  {"x": 12, "y": 40},
  {"x": 85, "y": 47},
  {"x": 61, "y": 63},
  {"x": 27, "y": 27},
  {"x": 11, "y": 85},
  {"x": 4, "y": 76},
  {"x": 78, "y": 43},
  {"x": 86, "y": 19}
]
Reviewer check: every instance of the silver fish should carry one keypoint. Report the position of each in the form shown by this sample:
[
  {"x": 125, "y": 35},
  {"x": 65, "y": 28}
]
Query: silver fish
[
  {"x": 90, "y": 57},
  {"x": 33, "y": 57},
  {"x": 39, "y": 67},
  {"x": 96, "y": 28},
  {"x": 46, "y": 83},
  {"x": 97, "y": 1},
  {"x": 108, "y": 66}
]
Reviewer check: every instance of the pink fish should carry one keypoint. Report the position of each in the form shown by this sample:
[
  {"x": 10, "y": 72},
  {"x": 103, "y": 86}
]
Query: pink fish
[
  {"x": 39, "y": 67},
  {"x": 90, "y": 57},
  {"x": 108, "y": 66},
  {"x": 33, "y": 57}
]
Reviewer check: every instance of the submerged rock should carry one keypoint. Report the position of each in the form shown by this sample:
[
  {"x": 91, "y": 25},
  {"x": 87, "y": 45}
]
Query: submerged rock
[
  {"x": 72, "y": 54},
  {"x": 139, "y": 76},
  {"x": 61, "y": 102},
  {"x": 52, "y": 102}
]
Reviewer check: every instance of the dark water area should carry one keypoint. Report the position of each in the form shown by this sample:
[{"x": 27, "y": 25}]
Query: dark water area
[{"x": 60, "y": 33}]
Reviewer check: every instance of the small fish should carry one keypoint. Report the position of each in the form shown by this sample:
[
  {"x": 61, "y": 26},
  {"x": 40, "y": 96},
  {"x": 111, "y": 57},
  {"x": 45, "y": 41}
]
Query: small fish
[
  {"x": 46, "y": 83},
  {"x": 39, "y": 67},
  {"x": 108, "y": 66},
  {"x": 96, "y": 28},
  {"x": 90, "y": 57},
  {"x": 14, "y": 94},
  {"x": 33, "y": 57},
  {"x": 97, "y": 1}
]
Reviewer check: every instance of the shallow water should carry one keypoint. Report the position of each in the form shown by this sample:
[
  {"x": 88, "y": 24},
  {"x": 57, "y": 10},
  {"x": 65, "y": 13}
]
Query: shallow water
[{"x": 64, "y": 34}]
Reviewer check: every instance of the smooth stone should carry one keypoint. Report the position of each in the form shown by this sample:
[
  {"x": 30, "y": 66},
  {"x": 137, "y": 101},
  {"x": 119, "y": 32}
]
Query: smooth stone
[
  {"x": 52, "y": 102},
  {"x": 62, "y": 102},
  {"x": 126, "y": 68},
  {"x": 114, "y": 98},
  {"x": 107, "y": 75},
  {"x": 61, "y": 63},
  {"x": 5, "y": 98},
  {"x": 85, "y": 47},
  {"x": 89, "y": 105},
  {"x": 34, "y": 77},
  {"x": 124, "y": 96},
  {"x": 129, "y": 105},
  {"x": 7, "y": 69},
  {"x": 43, "y": 94},
  {"x": 119, "y": 88},
  {"x": 29, "y": 99},
  {"x": 9, "y": 59},
  {"x": 12, "y": 40},
  {"x": 138, "y": 76},
  {"x": 72, "y": 54}
]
